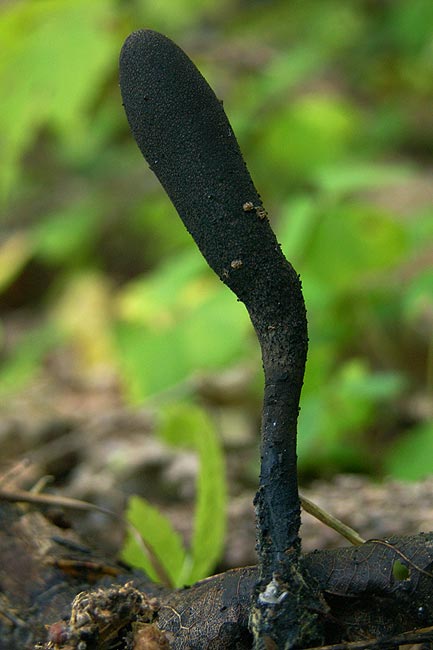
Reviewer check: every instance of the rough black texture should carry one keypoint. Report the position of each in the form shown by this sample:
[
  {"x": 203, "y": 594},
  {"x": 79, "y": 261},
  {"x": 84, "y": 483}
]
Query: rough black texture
[{"x": 183, "y": 132}]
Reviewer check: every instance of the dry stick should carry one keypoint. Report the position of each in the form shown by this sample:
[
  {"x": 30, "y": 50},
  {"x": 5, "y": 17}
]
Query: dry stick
[
  {"x": 332, "y": 522},
  {"x": 184, "y": 134}
]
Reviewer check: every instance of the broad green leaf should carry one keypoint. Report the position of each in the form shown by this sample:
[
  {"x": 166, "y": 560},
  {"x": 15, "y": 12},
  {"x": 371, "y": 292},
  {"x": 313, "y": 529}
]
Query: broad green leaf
[
  {"x": 176, "y": 322},
  {"x": 410, "y": 25},
  {"x": 156, "y": 220},
  {"x": 150, "y": 362},
  {"x": 335, "y": 411},
  {"x": 305, "y": 135},
  {"x": 215, "y": 334},
  {"x": 349, "y": 242},
  {"x": 187, "y": 425},
  {"x": 66, "y": 237},
  {"x": 55, "y": 55},
  {"x": 255, "y": 93},
  {"x": 298, "y": 223},
  {"x": 350, "y": 177},
  {"x": 158, "y": 534},
  {"x": 411, "y": 457},
  {"x": 158, "y": 299}
]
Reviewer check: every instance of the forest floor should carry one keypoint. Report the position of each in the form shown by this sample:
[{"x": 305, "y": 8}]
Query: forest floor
[{"x": 96, "y": 448}]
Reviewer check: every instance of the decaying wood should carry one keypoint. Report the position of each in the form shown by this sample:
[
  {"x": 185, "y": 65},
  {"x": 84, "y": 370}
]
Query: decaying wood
[{"x": 47, "y": 574}]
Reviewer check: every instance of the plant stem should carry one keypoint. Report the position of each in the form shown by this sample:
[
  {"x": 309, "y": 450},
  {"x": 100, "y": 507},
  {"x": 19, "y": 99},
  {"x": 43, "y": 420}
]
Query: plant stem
[{"x": 332, "y": 522}]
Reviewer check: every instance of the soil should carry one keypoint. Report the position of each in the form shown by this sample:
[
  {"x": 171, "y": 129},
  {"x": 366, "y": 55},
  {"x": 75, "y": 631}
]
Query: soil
[{"x": 94, "y": 447}]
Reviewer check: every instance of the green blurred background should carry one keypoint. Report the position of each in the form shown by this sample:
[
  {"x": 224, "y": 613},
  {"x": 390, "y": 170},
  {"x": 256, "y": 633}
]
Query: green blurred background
[{"x": 332, "y": 104}]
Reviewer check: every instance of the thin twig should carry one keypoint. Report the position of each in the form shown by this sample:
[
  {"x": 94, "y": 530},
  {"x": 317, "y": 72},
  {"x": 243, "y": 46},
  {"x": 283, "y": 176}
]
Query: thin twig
[
  {"x": 332, "y": 522},
  {"x": 16, "y": 469},
  {"x": 24, "y": 496}
]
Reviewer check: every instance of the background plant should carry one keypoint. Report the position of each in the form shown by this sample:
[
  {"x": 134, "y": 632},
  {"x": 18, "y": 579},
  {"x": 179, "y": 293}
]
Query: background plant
[
  {"x": 183, "y": 425},
  {"x": 331, "y": 102}
]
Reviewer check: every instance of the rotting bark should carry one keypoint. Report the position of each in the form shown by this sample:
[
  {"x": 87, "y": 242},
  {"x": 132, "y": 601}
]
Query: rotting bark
[{"x": 185, "y": 136}]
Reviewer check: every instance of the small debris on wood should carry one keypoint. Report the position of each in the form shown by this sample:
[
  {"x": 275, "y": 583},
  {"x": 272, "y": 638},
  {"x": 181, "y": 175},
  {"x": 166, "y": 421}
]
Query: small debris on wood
[{"x": 105, "y": 616}]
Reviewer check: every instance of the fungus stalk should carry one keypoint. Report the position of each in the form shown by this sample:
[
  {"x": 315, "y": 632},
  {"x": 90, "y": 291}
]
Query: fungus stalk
[{"x": 184, "y": 134}]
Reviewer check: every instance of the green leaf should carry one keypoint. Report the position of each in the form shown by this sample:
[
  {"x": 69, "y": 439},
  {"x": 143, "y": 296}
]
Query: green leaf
[
  {"x": 333, "y": 418},
  {"x": 159, "y": 537},
  {"x": 216, "y": 332},
  {"x": 343, "y": 178},
  {"x": 160, "y": 298},
  {"x": 66, "y": 237},
  {"x": 410, "y": 26},
  {"x": 55, "y": 56},
  {"x": 177, "y": 321},
  {"x": 185, "y": 424},
  {"x": 410, "y": 457},
  {"x": 150, "y": 362},
  {"x": 306, "y": 134},
  {"x": 298, "y": 224},
  {"x": 400, "y": 571},
  {"x": 349, "y": 242},
  {"x": 26, "y": 358}
]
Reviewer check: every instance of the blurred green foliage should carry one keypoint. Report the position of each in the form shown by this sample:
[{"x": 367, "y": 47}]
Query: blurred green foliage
[{"x": 331, "y": 102}]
